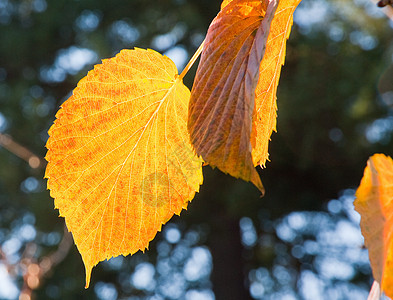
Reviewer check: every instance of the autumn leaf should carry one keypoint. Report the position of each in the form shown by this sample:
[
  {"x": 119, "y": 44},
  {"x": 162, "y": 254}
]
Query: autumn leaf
[
  {"x": 232, "y": 110},
  {"x": 120, "y": 162},
  {"x": 225, "y": 3},
  {"x": 222, "y": 98},
  {"x": 270, "y": 71},
  {"x": 374, "y": 203}
]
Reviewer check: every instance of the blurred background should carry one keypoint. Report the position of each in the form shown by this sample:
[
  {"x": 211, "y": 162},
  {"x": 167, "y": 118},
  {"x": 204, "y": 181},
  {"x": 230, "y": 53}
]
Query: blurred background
[{"x": 301, "y": 241}]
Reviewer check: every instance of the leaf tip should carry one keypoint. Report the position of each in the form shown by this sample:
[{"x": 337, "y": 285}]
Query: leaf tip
[
  {"x": 256, "y": 180},
  {"x": 260, "y": 186},
  {"x": 88, "y": 275}
]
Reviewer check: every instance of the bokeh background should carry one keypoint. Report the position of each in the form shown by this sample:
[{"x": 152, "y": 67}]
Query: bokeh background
[{"x": 301, "y": 241}]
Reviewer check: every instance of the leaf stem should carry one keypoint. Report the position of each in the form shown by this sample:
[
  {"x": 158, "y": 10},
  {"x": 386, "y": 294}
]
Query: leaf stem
[{"x": 191, "y": 62}]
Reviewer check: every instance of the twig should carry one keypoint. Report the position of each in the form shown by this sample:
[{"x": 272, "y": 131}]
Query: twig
[
  {"x": 383, "y": 3},
  {"x": 33, "y": 160},
  {"x": 387, "y": 7},
  {"x": 34, "y": 272}
]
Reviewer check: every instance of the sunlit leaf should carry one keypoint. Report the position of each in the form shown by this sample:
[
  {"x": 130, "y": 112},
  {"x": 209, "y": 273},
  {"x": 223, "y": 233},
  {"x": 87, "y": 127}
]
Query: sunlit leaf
[
  {"x": 225, "y": 3},
  {"x": 223, "y": 95},
  {"x": 120, "y": 163},
  {"x": 270, "y": 70},
  {"x": 374, "y": 199},
  {"x": 232, "y": 114}
]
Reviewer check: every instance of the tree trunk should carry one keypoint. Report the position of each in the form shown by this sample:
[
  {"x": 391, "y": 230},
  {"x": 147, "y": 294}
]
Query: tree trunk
[{"x": 228, "y": 276}]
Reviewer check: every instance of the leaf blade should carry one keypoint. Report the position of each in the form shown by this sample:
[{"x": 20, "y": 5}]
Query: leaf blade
[
  {"x": 270, "y": 69},
  {"x": 242, "y": 20},
  {"x": 222, "y": 98},
  {"x": 373, "y": 202},
  {"x": 123, "y": 134}
]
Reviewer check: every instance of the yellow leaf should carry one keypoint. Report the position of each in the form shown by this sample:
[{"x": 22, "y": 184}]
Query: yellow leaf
[
  {"x": 374, "y": 203},
  {"x": 120, "y": 163},
  {"x": 231, "y": 114},
  {"x": 270, "y": 70},
  {"x": 225, "y": 3}
]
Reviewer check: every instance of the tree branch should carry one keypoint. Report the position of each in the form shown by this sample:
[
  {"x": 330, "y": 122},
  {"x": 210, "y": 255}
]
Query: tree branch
[{"x": 33, "y": 160}]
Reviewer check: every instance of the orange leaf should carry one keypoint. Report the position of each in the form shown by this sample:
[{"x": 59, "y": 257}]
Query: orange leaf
[
  {"x": 120, "y": 163},
  {"x": 225, "y": 3},
  {"x": 222, "y": 98},
  {"x": 270, "y": 70},
  {"x": 224, "y": 106},
  {"x": 374, "y": 203}
]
